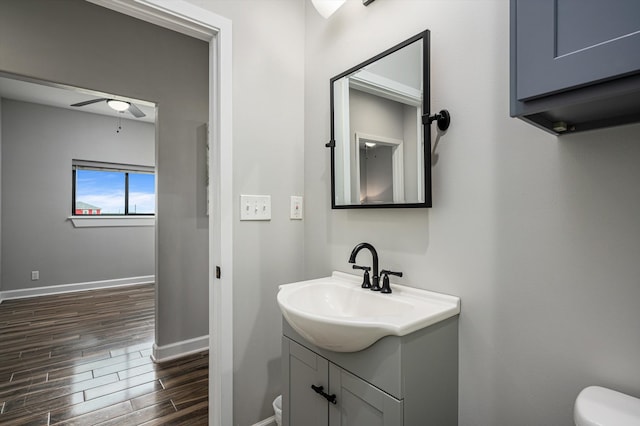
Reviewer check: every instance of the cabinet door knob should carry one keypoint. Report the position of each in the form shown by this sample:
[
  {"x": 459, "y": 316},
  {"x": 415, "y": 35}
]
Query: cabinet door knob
[{"x": 320, "y": 390}]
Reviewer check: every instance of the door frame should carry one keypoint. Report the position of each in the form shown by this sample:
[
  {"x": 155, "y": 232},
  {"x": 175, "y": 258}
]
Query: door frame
[
  {"x": 397, "y": 162},
  {"x": 194, "y": 21}
]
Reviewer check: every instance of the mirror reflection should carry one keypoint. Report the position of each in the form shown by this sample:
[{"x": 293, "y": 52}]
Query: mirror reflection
[{"x": 379, "y": 153}]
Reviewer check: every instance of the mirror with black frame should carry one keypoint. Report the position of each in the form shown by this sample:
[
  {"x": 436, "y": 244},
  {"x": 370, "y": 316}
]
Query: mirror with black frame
[{"x": 380, "y": 143}]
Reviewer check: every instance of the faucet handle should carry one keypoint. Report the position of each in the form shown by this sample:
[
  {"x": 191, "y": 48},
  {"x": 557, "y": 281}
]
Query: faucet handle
[
  {"x": 364, "y": 268},
  {"x": 366, "y": 282},
  {"x": 385, "y": 272},
  {"x": 386, "y": 286}
]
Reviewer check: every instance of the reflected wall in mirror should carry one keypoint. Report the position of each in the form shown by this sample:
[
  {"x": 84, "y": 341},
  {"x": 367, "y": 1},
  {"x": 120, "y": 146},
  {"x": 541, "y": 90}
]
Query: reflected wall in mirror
[{"x": 380, "y": 148}]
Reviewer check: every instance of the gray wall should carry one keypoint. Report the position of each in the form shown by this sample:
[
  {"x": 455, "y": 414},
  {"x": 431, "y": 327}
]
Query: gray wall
[
  {"x": 39, "y": 144},
  {"x": 376, "y": 115},
  {"x": 268, "y": 128},
  {"x": 72, "y": 42},
  {"x": 403, "y": 66},
  {"x": 373, "y": 115},
  {"x": 1, "y": 286},
  {"x": 538, "y": 235}
]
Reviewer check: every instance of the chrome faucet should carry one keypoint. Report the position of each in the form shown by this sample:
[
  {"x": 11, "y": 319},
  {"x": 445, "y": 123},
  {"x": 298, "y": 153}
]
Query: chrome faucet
[{"x": 352, "y": 259}]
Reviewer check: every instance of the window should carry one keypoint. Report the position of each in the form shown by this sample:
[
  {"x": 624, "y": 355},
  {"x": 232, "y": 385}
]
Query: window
[{"x": 112, "y": 189}]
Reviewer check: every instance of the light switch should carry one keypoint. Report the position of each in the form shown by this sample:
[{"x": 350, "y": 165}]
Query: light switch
[
  {"x": 255, "y": 207},
  {"x": 296, "y": 207}
]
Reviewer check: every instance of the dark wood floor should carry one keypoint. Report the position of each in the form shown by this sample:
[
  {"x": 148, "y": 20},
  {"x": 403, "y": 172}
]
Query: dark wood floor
[{"x": 84, "y": 359}]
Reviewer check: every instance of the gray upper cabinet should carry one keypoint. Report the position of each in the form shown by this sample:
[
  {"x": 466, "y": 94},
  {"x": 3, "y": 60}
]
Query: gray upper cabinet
[{"x": 575, "y": 63}]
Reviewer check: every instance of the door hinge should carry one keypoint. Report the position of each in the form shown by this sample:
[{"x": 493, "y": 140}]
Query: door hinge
[{"x": 218, "y": 272}]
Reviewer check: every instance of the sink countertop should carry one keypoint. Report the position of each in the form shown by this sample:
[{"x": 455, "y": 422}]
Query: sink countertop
[{"x": 335, "y": 313}]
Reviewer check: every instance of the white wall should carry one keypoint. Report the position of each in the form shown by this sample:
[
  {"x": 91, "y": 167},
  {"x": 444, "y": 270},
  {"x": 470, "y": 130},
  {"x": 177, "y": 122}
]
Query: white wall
[
  {"x": 40, "y": 143},
  {"x": 538, "y": 235},
  {"x": 268, "y": 129}
]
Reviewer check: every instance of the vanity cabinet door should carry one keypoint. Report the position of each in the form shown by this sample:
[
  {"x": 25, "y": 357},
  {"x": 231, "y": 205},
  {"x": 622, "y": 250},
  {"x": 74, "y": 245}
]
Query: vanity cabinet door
[
  {"x": 302, "y": 406},
  {"x": 359, "y": 403}
]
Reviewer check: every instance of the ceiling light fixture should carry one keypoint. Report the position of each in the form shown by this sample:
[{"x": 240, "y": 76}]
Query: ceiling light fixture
[
  {"x": 117, "y": 105},
  {"x": 326, "y": 8}
]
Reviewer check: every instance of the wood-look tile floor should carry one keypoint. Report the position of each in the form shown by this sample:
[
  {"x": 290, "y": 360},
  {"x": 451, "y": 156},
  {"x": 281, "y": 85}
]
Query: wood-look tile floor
[{"x": 84, "y": 359}]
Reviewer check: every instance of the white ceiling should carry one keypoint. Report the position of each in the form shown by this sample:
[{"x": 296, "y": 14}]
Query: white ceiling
[{"x": 64, "y": 97}]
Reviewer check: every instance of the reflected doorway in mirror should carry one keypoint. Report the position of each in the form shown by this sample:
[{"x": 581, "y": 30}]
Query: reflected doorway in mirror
[{"x": 380, "y": 169}]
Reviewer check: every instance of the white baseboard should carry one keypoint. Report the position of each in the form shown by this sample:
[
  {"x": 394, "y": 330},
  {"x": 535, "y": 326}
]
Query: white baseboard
[
  {"x": 70, "y": 288},
  {"x": 179, "y": 349},
  {"x": 271, "y": 421}
]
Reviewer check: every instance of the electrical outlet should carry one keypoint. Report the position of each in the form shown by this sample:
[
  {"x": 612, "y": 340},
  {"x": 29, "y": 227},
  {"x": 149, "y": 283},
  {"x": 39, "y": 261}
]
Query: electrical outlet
[
  {"x": 35, "y": 275},
  {"x": 296, "y": 208}
]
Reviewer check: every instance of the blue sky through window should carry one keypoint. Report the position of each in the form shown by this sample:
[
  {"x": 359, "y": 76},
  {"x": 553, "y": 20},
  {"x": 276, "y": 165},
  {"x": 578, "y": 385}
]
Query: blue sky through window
[
  {"x": 106, "y": 189},
  {"x": 142, "y": 189}
]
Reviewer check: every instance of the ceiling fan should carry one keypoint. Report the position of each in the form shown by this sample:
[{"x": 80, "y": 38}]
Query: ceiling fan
[{"x": 115, "y": 104}]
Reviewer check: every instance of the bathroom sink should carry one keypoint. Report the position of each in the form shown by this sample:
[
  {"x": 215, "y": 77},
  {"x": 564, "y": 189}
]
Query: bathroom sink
[{"x": 335, "y": 313}]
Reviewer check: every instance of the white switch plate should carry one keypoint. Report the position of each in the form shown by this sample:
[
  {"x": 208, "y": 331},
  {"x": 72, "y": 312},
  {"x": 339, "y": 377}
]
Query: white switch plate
[
  {"x": 255, "y": 207},
  {"x": 35, "y": 275},
  {"x": 296, "y": 208}
]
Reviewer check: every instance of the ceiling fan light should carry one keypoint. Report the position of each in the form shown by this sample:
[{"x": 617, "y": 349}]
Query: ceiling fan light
[
  {"x": 326, "y": 8},
  {"x": 118, "y": 105}
]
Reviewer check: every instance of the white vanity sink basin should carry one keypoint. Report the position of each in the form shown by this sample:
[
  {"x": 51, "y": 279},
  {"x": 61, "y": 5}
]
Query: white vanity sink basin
[{"x": 335, "y": 313}]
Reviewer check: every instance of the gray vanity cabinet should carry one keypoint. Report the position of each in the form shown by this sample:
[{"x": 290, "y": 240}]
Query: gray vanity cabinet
[
  {"x": 361, "y": 404},
  {"x": 305, "y": 368},
  {"x": 575, "y": 64},
  {"x": 409, "y": 380}
]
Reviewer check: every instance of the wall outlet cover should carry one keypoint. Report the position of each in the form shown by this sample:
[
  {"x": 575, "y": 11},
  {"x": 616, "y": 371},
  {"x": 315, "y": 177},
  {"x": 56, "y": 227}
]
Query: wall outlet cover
[
  {"x": 255, "y": 207},
  {"x": 296, "y": 208}
]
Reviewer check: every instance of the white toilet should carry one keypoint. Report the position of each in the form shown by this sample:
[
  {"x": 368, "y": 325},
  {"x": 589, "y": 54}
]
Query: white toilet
[{"x": 598, "y": 406}]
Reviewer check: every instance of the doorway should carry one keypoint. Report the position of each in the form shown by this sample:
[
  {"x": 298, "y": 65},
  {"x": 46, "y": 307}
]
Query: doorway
[
  {"x": 197, "y": 23},
  {"x": 380, "y": 172}
]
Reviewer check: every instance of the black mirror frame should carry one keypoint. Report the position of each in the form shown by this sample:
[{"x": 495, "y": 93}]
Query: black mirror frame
[{"x": 426, "y": 114}]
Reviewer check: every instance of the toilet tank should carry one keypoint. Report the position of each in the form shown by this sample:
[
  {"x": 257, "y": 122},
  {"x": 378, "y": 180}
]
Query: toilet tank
[{"x": 598, "y": 406}]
